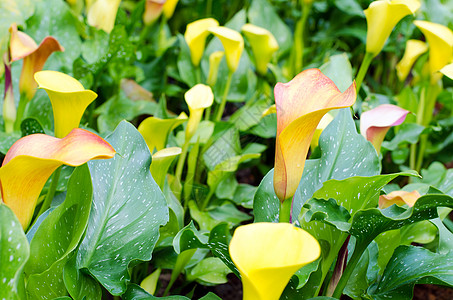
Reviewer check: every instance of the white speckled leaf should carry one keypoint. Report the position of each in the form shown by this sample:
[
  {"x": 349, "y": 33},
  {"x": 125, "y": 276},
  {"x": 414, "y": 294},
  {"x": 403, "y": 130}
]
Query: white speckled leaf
[
  {"x": 128, "y": 209},
  {"x": 14, "y": 252}
]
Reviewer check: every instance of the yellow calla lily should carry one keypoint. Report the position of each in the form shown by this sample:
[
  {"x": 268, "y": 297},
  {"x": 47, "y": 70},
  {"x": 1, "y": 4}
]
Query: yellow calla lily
[
  {"x": 414, "y": 48},
  {"x": 448, "y": 70},
  {"x": 268, "y": 254},
  {"x": 155, "y": 131},
  {"x": 197, "y": 98},
  {"x": 325, "y": 121},
  {"x": 32, "y": 159},
  {"x": 161, "y": 162},
  {"x": 68, "y": 97},
  {"x": 23, "y": 46},
  {"x": 381, "y": 17},
  {"x": 9, "y": 106},
  {"x": 232, "y": 42},
  {"x": 301, "y": 103},
  {"x": 102, "y": 14},
  {"x": 214, "y": 61},
  {"x": 399, "y": 198},
  {"x": 440, "y": 40},
  {"x": 270, "y": 110},
  {"x": 169, "y": 8},
  {"x": 153, "y": 10},
  {"x": 263, "y": 44},
  {"x": 195, "y": 36}
]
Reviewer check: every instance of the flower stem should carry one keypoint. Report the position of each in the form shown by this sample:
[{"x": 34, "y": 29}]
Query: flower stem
[
  {"x": 221, "y": 107},
  {"x": 285, "y": 210},
  {"x": 182, "y": 159},
  {"x": 51, "y": 193},
  {"x": 299, "y": 43},
  {"x": 20, "y": 111},
  {"x": 363, "y": 70}
]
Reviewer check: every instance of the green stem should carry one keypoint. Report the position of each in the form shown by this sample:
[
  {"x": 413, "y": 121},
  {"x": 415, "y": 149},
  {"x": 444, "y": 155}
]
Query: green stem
[
  {"x": 363, "y": 69},
  {"x": 182, "y": 159},
  {"x": 51, "y": 193},
  {"x": 20, "y": 111},
  {"x": 198, "y": 73},
  {"x": 299, "y": 42},
  {"x": 221, "y": 107},
  {"x": 285, "y": 211}
]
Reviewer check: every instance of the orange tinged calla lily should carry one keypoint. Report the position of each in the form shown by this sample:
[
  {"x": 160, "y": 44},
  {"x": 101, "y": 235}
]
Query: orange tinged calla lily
[
  {"x": 375, "y": 123},
  {"x": 232, "y": 42},
  {"x": 69, "y": 99},
  {"x": 263, "y": 44},
  {"x": 301, "y": 103},
  {"x": 195, "y": 36},
  {"x": 9, "y": 106},
  {"x": 381, "y": 17},
  {"x": 23, "y": 46},
  {"x": 414, "y": 48},
  {"x": 268, "y": 254},
  {"x": 169, "y": 8},
  {"x": 153, "y": 10},
  {"x": 440, "y": 40},
  {"x": 32, "y": 159},
  {"x": 399, "y": 198},
  {"x": 102, "y": 14}
]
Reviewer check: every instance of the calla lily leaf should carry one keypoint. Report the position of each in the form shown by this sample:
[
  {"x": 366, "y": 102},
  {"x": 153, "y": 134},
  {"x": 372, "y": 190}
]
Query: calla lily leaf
[
  {"x": 135, "y": 292},
  {"x": 155, "y": 131},
  {"x": 128, "y": 209},
  {"x": 80, "y": 284},
  {"x": 195, "y": 36},
  {"x": 414, "y": 48},
  {"x": 32, "y": 159}
]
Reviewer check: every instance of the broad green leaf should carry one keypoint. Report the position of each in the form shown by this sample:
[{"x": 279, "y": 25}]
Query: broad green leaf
[
  {"x": 31, "y": 126},
  {"x": 135, "y": 292},
  {"x": 438, "y": 176},
  {"x": 445, "y": 237},
  {"x": 266, "y": 205},
  {"x": 14, "y": 253},
  {"x": 225, "y": 145},
  {"x": 80, "y": 284},
  {"x": 7, "y": 140},
  {"x": 339, "y": 70},
  {"x": 408, "y": 266},
  {"x": 244, "y": 195},
  {"x": 128, "y": 209},
  {"x": 210, "y": 296},
  {"x": 408, "y": 133},
  {"x": 250, "y": 114},
  {"x": 350, "y": 7},
  {"x": 266, "y": 128},
  {"x": 57, "y": 236},
  {"x": 209, "y": 271},
  {"x": 186, "y": 69}
]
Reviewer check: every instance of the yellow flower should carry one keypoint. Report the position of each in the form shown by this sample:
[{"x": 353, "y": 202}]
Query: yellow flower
[
  {"x": 375, "y": 123},
  {"x": 32, "y": 159},
  {"x": 23, "y": 46},
  {"x": 169, "y": 8},
  {"x": 195, "y": 36},
  {"x": 161, "y": 162},
  {"x": 381, "y": 17},
  {"x": 263, "y": 45},
  {"x": 197, "y": 98},
  {"x": 398, "y": 198},
  {"x": 301, "y": 103},
  {"x": 232, "y": 42},
  {"x": 448, "y": 70},
  {"x": 440, "y": 40},
  {"x": 9, "y": 106},
  {"x": 102, "y": 14},
  {"x": 153, "y": 10},
  {"x": 268, "y": 254},
  {"x": 325, "y": 121},
  {"x": 414, "y": 48},
  {"x": 214, "y": 61},
  {"x": 69, "y": 99}
]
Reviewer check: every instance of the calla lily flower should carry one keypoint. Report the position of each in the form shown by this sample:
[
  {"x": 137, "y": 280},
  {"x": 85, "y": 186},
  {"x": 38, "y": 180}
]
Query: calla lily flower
[
  {"x": 23, "y": 46},
  {"x": 448, "y": 70},
  {"x": 232, "y": 42},
  {"x": 414, "y": 48},
  {"x": 214, "y": 61},
  {"x": 263, "y": 44},
  {"x": 32, "y": 159},
  {"x": 301, "y": 103},
  {"x": 270, "y": 110},
  {"x": 195, "y": 36},
  {"x": 375, "y": 123},
  {"x": 69, "y": 99},
  {"x": 102, "y": 14},
  {"x": 161, "y": 162},
  {"x": 197, "y": 98},
  {"x": 399, "y": 198},
  {"x": 9, "y": 106},
  {"x": 268, "y": 254},
  {"x": 440, "y": 40},
  {"x": 155, "y": 131},
  {"x": 381, "y": 17},
  {"x": 325, "y": 121},
  {"x": 169, "y": 8},
  {"x": 153, "y": 10},
  {"x": 134, "y": 91}
]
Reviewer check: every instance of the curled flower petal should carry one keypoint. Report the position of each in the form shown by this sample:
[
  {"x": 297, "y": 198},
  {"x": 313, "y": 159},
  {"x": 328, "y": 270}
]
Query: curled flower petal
[
  {"x": 195, "y": 36},
  {"x": 232, "y": 42},
  {"x": 23, "y": 46},
  {"x": 169, "y": 8},
  {"x": 197, "y": 98},
  {"x": 153, "y": 10},
  {"x": 325, "y": 121},
  {"x": 301, "y": 103},
  {"x": 268, "y": 254},
  {"x": 155, "y": 131},
  {"x": 161, "y": 162},
  {"x": 399, "y": 198},
  {"x": 214, "y": 61},
  {"x": 32, "y": 159},
  {"x": 270, "y": 110},
  {"x": 448, "y": 70},
  {"x": 440, "y": 40},
  {"x": 263, "y": 44},
  {"x": 414, "y": 48},
  {"x": 375, "y": 123},
  {"x": 381, "y": 17},
  {"x": 69, "y": 99},
  {"x": 102, "y": 14}
]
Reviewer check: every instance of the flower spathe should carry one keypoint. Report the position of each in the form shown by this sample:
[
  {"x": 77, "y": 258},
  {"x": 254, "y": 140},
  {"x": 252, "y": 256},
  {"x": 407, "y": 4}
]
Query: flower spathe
[
  {"x": 69, "y": 99},
  {"x": 197, "y": 98},
  {"x": 161, "y": 162},
  {"x": 9, "y": 106},
  {"x": 155, "y": 131},
  {"x": 232, "y": 42},
  {"x": 32, "y": 159},
  {"x": 448, "y": 71},
  {"x": 268, "y": 254},
  {"x": 301, "y": 103},
  {"x": 195, "y": 36},
  {"x": 169, "y": 8},
  {"x": 214, "y": 61},
  {"x": 381, "y": 17},
  {"x": 399, "y": 198},
  {"x": 23, "y": 46},
  {"x": 263, "y": 44},
  {"x": 153, "y": 10},
  {"x": 414, "y": 48},
  {"x": 102, "y": 14},
  {"x": 325, "y": 121},
  {"x": 375, "y": 123}
]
